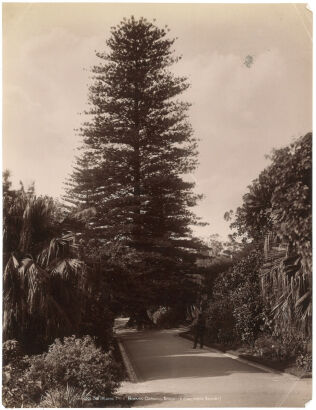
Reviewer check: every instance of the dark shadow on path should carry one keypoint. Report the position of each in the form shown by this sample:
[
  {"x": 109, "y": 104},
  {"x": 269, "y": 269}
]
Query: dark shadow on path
[
  {"x": 183, "y": 366},
  {"x": 158, "y": 355}
]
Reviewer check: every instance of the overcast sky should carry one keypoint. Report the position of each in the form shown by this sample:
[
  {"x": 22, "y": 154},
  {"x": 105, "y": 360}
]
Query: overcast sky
[{"x": 238, "y": 112}]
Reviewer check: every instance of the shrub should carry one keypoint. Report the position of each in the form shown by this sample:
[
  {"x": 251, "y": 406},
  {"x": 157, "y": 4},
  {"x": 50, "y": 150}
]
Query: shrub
[
  {"x": 165, "y": 317},
  {"x": 98, "y": 321},
  {"x": 267, "y": 346},
  {"x": 15, "y": 388},
  {"x": 11, "y": 351},
  {"x": 278, "y": 209},
  {"x": 220, "y": 322},
  {"x": 304, "y": 361},
  {"x": 65, "y": 397},
  {"x": 292, "y": 342},
  {"x": 77, "y": 363},
  {"x": 281, "y": 347},
  {"x": 246, "y": 298},
  {"x": 158, "y": 315},
  {"x": 234, "y": 314}
]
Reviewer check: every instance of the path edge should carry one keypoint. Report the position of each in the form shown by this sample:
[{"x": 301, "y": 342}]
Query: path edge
[
  {"x": 251, "y": 363},
  {"x": 127, "y": 363}
]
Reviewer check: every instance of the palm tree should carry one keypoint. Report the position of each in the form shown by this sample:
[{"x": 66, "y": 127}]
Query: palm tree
[
  {"x": 286, "y": 279},
  {"x": 277, "y": 214},
  {"x": 44, "y": 279}
]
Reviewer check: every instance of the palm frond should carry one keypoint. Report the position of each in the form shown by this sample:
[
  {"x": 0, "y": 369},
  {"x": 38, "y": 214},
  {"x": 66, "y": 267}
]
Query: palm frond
[
  {"x": 286, "y": 285},
  {"x": 57, "y": 248},
  {"x": 43, "y": 287}
]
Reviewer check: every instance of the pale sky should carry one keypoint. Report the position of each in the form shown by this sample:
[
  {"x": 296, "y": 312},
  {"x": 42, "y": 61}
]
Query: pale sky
[{"x": 239, "y": 113}]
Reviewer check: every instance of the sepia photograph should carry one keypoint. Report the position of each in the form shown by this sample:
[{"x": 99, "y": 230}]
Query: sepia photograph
[{"x": 157, "y": 205}]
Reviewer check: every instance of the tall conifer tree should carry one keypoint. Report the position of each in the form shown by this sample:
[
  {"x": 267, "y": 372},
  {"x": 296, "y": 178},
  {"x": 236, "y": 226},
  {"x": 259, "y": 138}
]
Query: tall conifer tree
[{"x": 138, "y": 145}]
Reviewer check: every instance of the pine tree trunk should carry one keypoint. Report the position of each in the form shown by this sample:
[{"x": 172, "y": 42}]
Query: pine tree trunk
[{"x": 137, "y": 177}]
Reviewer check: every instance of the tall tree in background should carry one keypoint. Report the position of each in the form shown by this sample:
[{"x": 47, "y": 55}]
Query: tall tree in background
[{"x": 138, "y": 145}]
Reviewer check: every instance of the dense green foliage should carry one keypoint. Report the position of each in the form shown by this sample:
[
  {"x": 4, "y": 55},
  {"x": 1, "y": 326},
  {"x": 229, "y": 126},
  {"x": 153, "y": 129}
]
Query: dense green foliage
[
  {"x": 76, "y": 362},
  {"x": 234, "y": 310},
  {"x": 15, "y": 390},
  {"x": 264, "y": 298},
  {"x": 74, "y": 371},
  {"x": 49, "y": 289},
  {"x": 280, "y": 199},
  {"x": 278, "y": 210}
]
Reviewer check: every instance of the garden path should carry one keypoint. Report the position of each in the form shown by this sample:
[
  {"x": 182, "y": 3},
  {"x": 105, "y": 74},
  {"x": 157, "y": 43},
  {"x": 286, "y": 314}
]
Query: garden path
[{"x": 171, "y": 374}]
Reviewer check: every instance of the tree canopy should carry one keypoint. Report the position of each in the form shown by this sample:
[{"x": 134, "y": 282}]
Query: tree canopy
[
  {"x": 137, "y": 147},
  {"x": 277, "y": 212},
  {"x": 279, "y": 199}
]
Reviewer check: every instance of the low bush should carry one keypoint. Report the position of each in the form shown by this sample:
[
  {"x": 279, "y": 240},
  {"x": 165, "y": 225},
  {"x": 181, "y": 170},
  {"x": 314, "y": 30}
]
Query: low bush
[
  {"x": 15, "y": 388},
  {"x": 68, "y": 373},
  {"x": 65, "y": 397},
  {"x": 11, "y": 351},
  {"x": 282, "y": 347},
  {"x": 158, "y": 315},
  {"x": 77, "y": 363},
  {"x": 167, "y": 317},
  {"x": 304, "y": 361},
  {"x": 266, "y": 346}
]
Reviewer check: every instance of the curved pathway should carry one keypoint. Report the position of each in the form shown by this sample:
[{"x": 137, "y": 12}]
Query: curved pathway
[{"x": 170, "y": 373}]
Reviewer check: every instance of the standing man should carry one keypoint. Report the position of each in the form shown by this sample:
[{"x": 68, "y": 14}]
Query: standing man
[{"x": 200, "y": 329}]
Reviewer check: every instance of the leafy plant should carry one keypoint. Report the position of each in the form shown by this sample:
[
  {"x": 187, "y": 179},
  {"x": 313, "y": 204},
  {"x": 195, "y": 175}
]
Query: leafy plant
[
  {"x": 280, "y": 346},
  {"x": 76, "y": 362},
  {"x": 15, "y": 388},
  {"x": 41, "y": 293},
  {"x": 305, "y": 362},
  {"x": 234, "y": 311},
  {"x": 168, "y": 317},
  {"x": 65, "y": 397},
  {"x": 277, "y": 214},
  {"x": 220, "y": 324},
  {"x": 11, "y": 351},
  {"x": 46, "y": 273}
]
